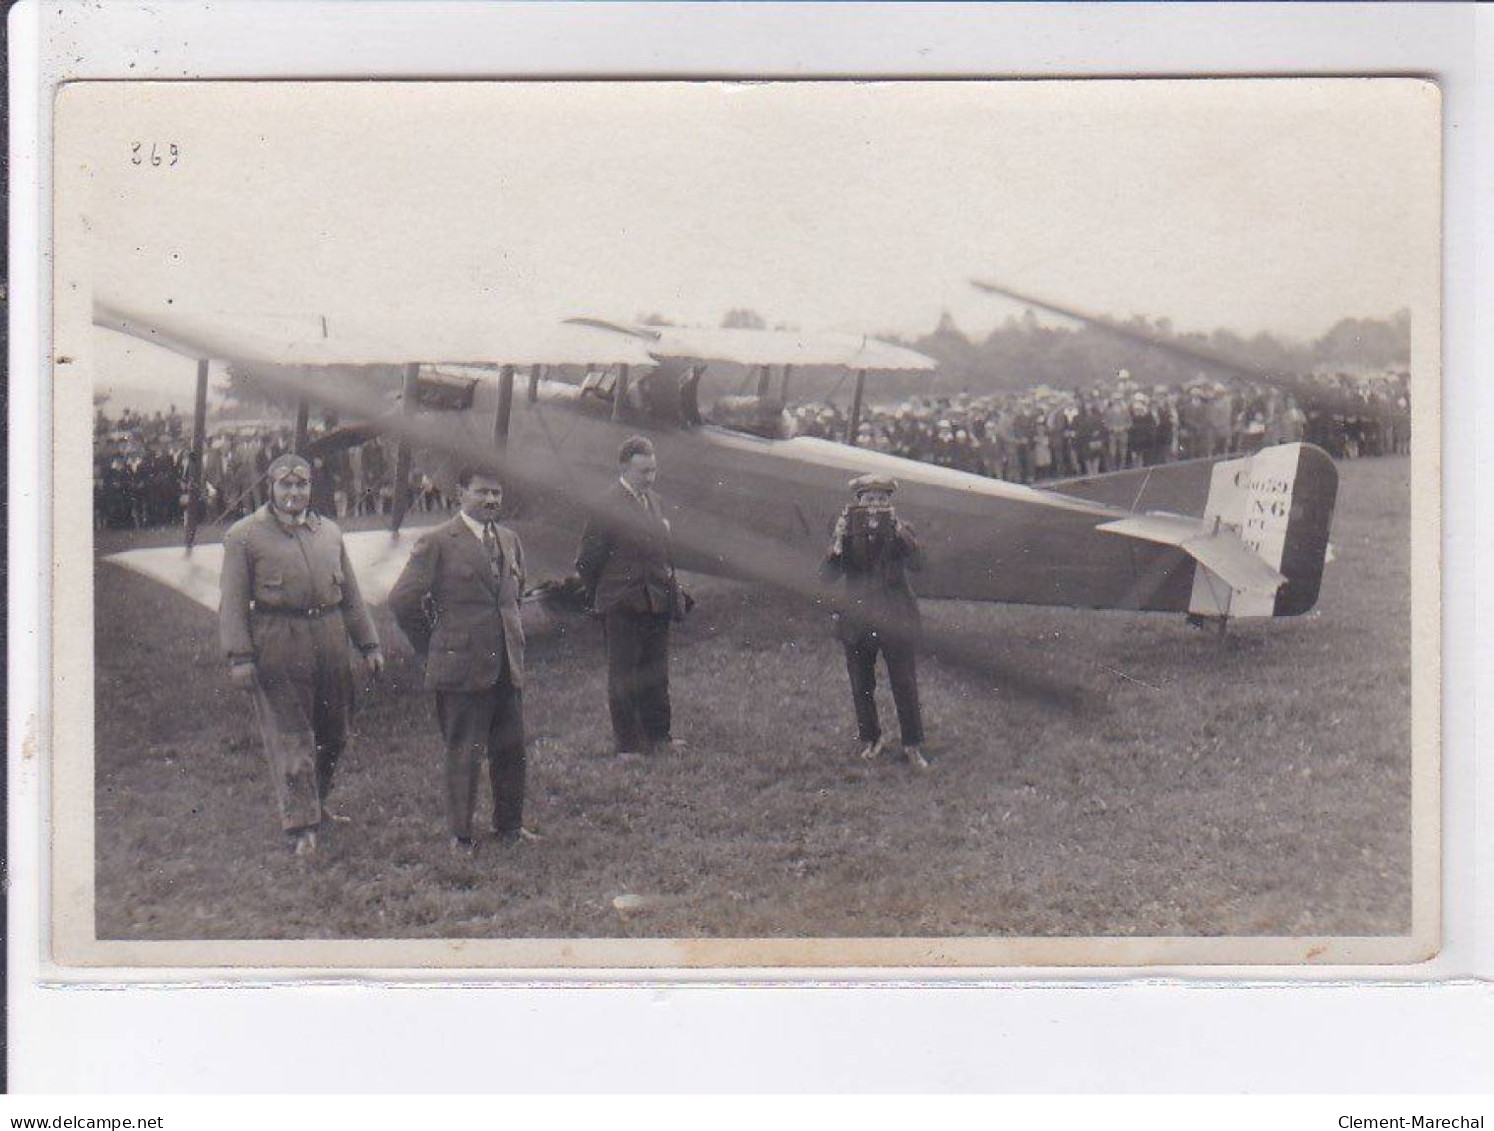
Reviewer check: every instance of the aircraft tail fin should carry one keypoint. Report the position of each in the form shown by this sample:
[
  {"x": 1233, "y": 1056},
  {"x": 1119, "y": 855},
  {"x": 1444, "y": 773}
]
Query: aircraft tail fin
[
  {"x": 1279, "y": 501},
  {"x": 1263, "y": 538}
]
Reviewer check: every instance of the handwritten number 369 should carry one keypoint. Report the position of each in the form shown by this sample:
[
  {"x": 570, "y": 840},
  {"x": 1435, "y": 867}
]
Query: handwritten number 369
[{"x": 155, "y": 155}]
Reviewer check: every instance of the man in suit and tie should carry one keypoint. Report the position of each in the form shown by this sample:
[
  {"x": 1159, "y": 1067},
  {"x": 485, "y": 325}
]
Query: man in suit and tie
[
  {"x": 625, "y": 565},
  {"x": 458, "y": 603}
]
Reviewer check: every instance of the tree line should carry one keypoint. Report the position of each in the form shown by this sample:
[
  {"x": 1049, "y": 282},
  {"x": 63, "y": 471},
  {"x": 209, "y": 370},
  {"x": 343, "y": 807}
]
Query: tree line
[{"x": 1024, "y": 352}]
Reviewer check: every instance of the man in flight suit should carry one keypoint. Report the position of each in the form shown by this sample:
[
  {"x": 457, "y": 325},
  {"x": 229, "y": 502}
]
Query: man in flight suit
[
  {"x": 289, "y": 603},
  {"x": 872, "y": 550},
  {"x": 458, "y": 602}
]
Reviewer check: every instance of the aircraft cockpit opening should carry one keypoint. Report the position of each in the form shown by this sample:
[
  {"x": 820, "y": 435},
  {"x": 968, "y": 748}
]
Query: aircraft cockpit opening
[
  {"x": 671, "y": 395},
  {"x": 440, "y": 390}
]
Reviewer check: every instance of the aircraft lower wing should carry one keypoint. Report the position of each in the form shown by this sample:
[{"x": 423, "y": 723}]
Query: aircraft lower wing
[
  {"x": 376, "y": 555},
  {"x": 192, "y": 572}
]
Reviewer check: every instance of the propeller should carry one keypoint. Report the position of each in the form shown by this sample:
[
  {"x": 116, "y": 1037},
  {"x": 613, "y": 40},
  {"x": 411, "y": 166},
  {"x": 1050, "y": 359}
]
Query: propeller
[
  {"x": 1300, "y": 388},
  {"x": 751, "y": 557}
]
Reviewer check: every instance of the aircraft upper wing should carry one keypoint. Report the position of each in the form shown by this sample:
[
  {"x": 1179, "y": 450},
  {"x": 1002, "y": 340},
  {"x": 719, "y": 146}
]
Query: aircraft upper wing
[
  {"x": 768, "y": 347},
  {"x": 313, "y": 341}
]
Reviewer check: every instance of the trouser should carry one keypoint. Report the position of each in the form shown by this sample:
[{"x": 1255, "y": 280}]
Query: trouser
[
  {"x": 483, "y": 726},
  {"x": 902, "y": 673},
  {"x": 638, "y": 678},
  {"x": 303, "y": 702}
]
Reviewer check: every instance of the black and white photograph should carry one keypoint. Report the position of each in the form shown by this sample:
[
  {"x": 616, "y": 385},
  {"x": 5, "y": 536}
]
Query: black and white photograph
[{"x": 700, "y": 524}]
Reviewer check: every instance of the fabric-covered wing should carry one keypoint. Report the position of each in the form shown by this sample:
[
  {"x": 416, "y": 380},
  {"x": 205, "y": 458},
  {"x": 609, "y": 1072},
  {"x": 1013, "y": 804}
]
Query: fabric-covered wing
[
  {"x": 769, "y": 347},
  {"x": 376, "y": 555},
  {"x": 340, "y": 341}
]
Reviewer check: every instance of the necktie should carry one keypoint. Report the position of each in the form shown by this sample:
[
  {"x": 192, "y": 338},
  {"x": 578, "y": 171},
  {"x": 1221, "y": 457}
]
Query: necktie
[{"x": 495, "y": 556}]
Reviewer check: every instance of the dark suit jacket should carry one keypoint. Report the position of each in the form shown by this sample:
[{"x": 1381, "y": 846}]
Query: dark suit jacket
[
  {"x": 446, "y": 602},
  {"x": 624, "y": 560},
  {"x": 878, "y": 593}
]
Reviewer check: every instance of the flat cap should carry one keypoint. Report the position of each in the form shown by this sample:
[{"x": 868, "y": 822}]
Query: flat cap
[
  {"x": 873, "y": 482},
  {"x": 288, "y": 464}
]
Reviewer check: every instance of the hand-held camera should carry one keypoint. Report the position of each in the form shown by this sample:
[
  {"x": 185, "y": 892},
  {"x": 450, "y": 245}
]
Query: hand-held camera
[{"x": 869, "y": 530}]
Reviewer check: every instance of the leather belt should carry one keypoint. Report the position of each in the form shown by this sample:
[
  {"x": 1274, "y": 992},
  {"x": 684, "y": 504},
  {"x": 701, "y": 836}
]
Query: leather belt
[{"x": 313, "y": 613}]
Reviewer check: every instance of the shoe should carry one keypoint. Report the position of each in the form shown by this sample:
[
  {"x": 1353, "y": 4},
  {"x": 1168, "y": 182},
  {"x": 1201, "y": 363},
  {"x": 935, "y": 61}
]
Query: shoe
[
  {"x": 305, "y": 846},
  {"x": 520, "y": 835},
  {"x": 916, "y": 759},
  {"x": 335, "y": 816},
  {"x": 668, "y": 746},
  {"x": 872, "y": 751}
]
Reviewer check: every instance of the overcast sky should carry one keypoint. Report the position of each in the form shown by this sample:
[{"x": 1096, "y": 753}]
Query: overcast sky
[{"x": 1279, "y": 206}]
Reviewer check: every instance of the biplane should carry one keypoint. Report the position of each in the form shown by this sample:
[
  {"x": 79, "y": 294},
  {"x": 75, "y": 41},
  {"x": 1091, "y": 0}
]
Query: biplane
[{"x": 1227, "y": 538}]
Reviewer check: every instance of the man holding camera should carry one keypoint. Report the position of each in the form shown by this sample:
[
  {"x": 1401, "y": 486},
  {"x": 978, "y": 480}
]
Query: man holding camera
[{"x": 872, "y": 551}]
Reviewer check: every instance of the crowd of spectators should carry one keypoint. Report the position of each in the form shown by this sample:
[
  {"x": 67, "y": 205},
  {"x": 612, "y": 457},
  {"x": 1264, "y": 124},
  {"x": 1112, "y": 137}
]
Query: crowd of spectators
[
  {"x": 141, "y": 463},
  {"x": 1045, "y": 433},
  {"x": 139, "y": 466},
  {"x": 142, "y": 471}
]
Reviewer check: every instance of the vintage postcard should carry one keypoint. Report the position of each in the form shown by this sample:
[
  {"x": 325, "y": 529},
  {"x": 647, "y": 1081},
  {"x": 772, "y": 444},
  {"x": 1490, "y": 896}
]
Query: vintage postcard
[{"x": 550, "y": 526}]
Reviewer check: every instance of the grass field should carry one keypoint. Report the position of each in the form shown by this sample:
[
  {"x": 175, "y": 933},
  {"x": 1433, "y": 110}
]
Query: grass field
[{"x": 1189, "y": 787}]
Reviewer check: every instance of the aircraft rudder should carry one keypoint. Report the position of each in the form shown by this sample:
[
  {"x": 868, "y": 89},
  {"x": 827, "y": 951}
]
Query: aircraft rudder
[
  {"x": 1305, "y": 547},
  {"x": 1279, "y": 501}
]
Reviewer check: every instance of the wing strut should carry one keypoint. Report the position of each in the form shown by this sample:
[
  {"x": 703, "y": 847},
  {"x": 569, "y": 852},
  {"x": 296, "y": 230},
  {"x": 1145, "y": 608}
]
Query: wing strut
[
  {"x": 854, "y": 424},
  {"x": 620, "y": 391},
  {"x": 505, "y": 405},
  {"x": 402, "y": 453},
  {"x": 303, "y": 424},
  {"x": 690, "y": 394},
  {"x": 194, "y": 461}
]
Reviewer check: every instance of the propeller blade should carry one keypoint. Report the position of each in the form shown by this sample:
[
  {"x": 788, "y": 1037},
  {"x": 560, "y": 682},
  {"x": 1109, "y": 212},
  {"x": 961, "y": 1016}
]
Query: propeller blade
[
  {"x": 751, "y": 557},
  {"x": 1298, "y": 387}
]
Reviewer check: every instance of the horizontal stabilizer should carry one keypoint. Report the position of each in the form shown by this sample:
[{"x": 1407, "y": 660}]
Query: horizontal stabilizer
[
  {"x": 1220, "y": 551},
  {"x": 1169, "y": 529},
  {"x": 1236, "y": 564}
]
